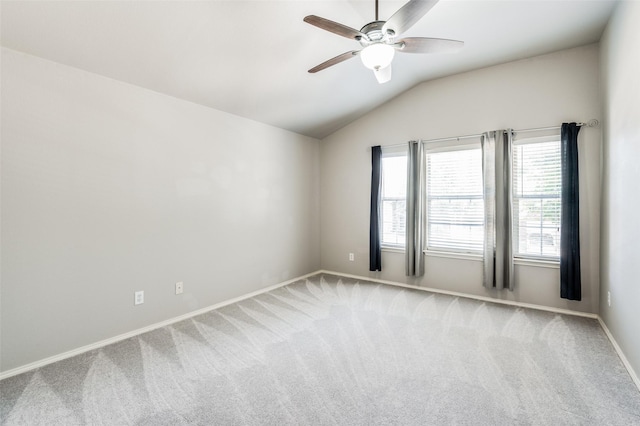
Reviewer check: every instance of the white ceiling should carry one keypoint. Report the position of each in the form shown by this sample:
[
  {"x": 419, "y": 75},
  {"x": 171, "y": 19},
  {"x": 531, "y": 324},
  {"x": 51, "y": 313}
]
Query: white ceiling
[{"x": 250, "y": 58}]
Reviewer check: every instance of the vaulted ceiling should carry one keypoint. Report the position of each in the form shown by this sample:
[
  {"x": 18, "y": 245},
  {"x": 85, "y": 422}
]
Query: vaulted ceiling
[{"x": 250, "y": 58}]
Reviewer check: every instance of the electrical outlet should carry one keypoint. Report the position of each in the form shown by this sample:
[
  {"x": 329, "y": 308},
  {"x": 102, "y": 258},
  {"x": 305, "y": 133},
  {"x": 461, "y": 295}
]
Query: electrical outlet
[
  {"x": 179, "y": 287},
  {"x": 138, "y": 298},
  {"x": 609, "y": 298},
  {"x": 352, "y": 257}
]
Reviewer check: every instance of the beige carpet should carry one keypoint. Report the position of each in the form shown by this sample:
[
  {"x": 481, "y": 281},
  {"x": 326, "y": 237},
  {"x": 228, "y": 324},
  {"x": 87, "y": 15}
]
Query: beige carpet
[{"x": 334, "y": 351}]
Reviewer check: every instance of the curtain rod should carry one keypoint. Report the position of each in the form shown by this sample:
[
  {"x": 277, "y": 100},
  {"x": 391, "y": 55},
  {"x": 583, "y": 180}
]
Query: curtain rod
[
  {"x": 590, "y": 123},
  {"x": 455, "y": 138}
]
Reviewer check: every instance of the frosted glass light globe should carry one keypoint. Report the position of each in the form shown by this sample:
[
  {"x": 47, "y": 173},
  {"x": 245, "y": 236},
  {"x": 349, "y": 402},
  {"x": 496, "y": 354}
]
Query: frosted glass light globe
[{"x": 377, "y": 56}]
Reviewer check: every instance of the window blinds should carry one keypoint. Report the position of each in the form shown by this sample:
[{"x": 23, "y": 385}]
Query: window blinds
[
  {"x": 394, "y": 194},
  {"x": 536, "y": 197},
  {"x": 454, "y": 200}
]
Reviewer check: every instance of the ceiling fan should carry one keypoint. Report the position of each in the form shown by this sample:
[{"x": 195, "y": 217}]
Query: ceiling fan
[{"x": 378, "y": 39}]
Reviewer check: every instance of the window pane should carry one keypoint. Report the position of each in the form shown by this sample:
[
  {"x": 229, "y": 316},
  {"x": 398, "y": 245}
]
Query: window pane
[
  {"x": 393, "y": 219},
  {"x": 455, "y": 172},
  {"x": 394, "y": 188},
  {"x": 536, "y": 187},
  {"x": 455, "y": 208},
  {"x": 394, "y": 176}
]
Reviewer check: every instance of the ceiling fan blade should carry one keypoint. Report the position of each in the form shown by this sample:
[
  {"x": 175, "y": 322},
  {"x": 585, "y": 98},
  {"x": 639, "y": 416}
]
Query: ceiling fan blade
[
  {"x": 334, "y": 27},
  {"x": 333, "y": 61},
  {"x": 428, "y": 45},
  {"x": 408, "y": 15}
]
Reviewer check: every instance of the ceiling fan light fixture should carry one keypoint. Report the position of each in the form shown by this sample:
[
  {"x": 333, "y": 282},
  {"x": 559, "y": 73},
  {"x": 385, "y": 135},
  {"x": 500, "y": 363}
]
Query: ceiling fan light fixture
[
  {"x": 377, "y": 56},
  {"x": 383, "y": 74}
]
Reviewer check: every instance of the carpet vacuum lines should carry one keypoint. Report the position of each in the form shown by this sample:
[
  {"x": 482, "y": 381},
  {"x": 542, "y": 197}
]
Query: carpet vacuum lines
[{"x": 336, "y": 350}]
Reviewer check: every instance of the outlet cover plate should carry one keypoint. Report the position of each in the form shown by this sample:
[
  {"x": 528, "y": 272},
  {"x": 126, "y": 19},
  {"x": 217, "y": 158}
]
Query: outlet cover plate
[
  {"x": 179, "y": 287},
  {"x": 138, "y": 298}
]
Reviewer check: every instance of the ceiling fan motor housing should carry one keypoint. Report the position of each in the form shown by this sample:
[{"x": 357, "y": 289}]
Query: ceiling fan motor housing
[{"x": 374, "y": 34}]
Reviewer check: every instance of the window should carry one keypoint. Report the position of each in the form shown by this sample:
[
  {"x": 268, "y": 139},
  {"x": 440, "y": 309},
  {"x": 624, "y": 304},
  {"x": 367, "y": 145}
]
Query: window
[
  {"x": 454, "y": 198},
  {"x": 455, "y": 207},
  {"x": 394, "y": 195},
  {"x": 537, "y": 184}
]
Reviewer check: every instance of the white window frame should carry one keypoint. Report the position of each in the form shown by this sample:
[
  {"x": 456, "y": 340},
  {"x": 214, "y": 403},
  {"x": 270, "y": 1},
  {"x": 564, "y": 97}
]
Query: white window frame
[
  {"x": 447, "y": 146},
  {"x": 523, "y": 257},
  {"x": 391, "y": 151},
  {"x": 444, "y": 146}
]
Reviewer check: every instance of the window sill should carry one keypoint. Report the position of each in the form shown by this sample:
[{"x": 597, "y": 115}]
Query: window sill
[
  {"x": 553, "y": 264},
  {"x": 393, "y": 249},
  {"x": 520, "y": 261},
  {"x": 454, "y": 255}
]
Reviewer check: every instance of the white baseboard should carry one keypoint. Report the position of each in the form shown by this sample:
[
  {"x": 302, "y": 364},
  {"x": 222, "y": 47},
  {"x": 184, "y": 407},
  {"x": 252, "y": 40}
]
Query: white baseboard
[
  {"x": 105, "y": 342},
  {"x": 468, "y": 296},
  {"x": 623, "y": 358}
]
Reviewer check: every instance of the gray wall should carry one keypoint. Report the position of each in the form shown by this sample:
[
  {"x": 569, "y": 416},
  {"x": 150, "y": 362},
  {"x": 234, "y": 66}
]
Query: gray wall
[
  {"x": 108, "y": 188},
  {"x": 620, "y": 179},
  {"x": 537, "y": 92}
]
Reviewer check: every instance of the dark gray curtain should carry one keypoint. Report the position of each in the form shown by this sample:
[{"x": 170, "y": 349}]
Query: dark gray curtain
[
  {"x": 414, "y": 227},
  {"x": 498, "y": 219},
  {"x": 570, "y": 286},
  {"x": 375, "y": 253}
]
